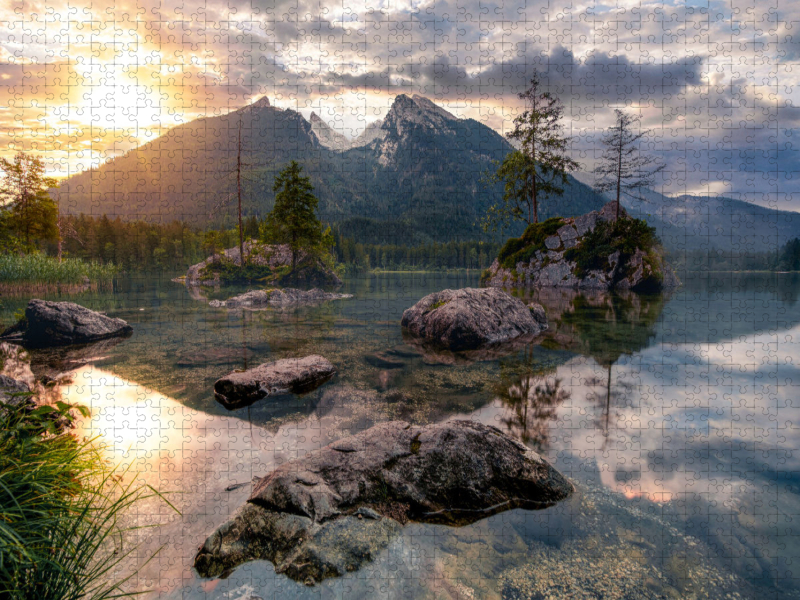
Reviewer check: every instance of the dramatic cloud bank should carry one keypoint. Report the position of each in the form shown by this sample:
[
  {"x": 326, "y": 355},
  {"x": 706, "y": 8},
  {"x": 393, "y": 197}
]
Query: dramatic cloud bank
[{"x": 716, "y": 82}]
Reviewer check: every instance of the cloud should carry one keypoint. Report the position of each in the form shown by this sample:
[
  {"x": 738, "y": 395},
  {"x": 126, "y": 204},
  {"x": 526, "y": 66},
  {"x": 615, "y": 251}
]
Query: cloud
[{"x": 717, "y": 81}]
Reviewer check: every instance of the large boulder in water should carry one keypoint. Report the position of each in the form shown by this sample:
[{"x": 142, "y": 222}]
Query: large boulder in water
[
  {"x": 289, "y": 375},
  {"x": 49, "y": 324},
  {"x": 334, "y": 509},
  {"x": 471, "y": 318}
]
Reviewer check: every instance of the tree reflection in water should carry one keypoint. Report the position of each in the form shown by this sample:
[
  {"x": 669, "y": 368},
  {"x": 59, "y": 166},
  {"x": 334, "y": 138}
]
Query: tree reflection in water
[
  {"x": 597, "y": 325},
  {"x": 527, "y": 387}
]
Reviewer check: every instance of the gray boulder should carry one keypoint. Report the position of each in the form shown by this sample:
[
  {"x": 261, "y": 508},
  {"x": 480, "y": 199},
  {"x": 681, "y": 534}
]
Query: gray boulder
[
  {"x": 49, "y": 324},
  {"x": 10, "y": 390},
  {"x": 334, "y": 509},
  {"x": 278, "y": 298},
  {"x": 289, "y": 375},
  {"x": 470, "y": 318}
]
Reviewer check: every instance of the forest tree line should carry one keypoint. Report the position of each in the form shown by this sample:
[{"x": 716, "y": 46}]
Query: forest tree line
[
  {"x": 143, "y": 246},
  {"x": 139, "y": 245}
]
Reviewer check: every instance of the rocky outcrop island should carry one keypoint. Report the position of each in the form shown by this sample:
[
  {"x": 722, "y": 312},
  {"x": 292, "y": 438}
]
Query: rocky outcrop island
[
  {"x": 592, "y": 251},
  {"x": 336, "y": 508},
  {"x": 263, "y": 262}
]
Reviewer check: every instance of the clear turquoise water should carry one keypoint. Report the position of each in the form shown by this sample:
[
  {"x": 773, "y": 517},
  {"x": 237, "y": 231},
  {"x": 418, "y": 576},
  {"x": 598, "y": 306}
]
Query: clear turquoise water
[{"x": 676, "y": 418}]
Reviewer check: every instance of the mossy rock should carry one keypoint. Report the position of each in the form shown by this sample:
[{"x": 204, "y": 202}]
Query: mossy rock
[{"x": 523, "y": 249}]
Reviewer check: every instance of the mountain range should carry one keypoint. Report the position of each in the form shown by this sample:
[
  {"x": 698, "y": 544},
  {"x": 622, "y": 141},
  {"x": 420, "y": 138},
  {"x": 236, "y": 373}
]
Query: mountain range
[{"x": 415, "y": 176}]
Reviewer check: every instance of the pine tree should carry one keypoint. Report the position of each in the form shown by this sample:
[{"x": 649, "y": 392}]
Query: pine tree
[
  {"x": 293, "y": 219},
  {"x": 623, "y": 168},
  {"x": 539, "y": 168}
]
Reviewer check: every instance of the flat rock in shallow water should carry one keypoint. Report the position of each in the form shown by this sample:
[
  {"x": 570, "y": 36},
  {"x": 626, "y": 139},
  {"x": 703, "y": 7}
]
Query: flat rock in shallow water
[
  {"x": 49, "y": 324},
  {"x": 289, "y": 375},
  {"x": 277, "y": 297},
  {"x": 470, "y": 318},
  {"x": 334, "y": 509}
]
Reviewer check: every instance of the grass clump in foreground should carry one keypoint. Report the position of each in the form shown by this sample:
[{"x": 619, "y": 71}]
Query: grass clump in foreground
[
  {"x": 39, "y": 268},
  {"x": 60, "y": 505}
]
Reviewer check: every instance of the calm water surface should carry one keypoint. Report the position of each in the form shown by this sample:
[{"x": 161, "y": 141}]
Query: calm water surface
[{"x": 676, "y": 418}]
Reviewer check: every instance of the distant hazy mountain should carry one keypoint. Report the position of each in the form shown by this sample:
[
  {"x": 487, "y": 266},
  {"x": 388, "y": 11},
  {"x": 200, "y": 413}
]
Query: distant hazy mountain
[
  {"x": 716, "y": 223},
  {"x": 690, "y": 222},
  {"x": 415, "y": 176},
  {"x": 327, "y": 136}
]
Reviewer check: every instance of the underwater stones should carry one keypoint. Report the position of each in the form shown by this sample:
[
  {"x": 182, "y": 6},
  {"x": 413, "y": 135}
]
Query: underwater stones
[
  {"x": 384, "y": 360},
  {"x": 288, "y": 375},
  {"x": 334, "y": 509},
  {"x": 470, "y": 318},
  {"x": 48, "y": 324},
  {"x": 278, "y": 298}
]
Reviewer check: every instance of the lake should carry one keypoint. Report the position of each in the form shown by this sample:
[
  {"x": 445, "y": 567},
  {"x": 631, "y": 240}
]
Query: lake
[{"x": 676, "y": 417}]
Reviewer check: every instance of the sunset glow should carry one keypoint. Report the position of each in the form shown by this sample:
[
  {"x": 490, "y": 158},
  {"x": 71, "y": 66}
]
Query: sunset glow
[{"x": 84, "y": 83}]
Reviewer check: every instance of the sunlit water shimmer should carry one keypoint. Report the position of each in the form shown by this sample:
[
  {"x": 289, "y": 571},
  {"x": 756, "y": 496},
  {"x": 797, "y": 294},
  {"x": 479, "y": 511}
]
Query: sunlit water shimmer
[{"x": 676, "y": 418}]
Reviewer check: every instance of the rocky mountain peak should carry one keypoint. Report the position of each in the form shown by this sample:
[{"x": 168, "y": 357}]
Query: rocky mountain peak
[
  {"x": 415, "y": 110},
  {"x": 327, "y": 136},
  {"x": 407, "y": 115},
  {"x": 259, "y": 104},
  {"x": 262, "y": 102},
  {"x": 372, "y": 132}
]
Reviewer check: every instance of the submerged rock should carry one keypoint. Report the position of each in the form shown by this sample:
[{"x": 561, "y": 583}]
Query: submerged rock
[
  {"x": 289, "y": 375},
  {"x": 49, "y": 324},
  {"x": 11, "y": 390},
  {"x": 334, "y": 509},
  {"x": 49, "y": 364},
  {"x": 279, "y": 298},
  {"x": 470, "y": 318},
  {"x": 435, "y": 354},
  {"x": 385, "y": 360}
]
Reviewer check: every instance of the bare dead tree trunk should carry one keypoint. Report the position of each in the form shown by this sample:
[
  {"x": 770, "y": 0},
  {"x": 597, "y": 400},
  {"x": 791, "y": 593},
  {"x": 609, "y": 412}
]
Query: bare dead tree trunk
[
  {"x": 239, "y": 192},
  {"x": 619, "y": 178}
]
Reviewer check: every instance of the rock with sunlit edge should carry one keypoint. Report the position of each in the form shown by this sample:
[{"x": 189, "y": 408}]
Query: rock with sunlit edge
[{"x": 336, "y": 508}]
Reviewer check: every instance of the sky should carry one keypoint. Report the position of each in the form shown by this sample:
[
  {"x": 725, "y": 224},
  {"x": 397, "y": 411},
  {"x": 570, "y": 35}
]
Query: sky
[{"x": 83, "y": 81}]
